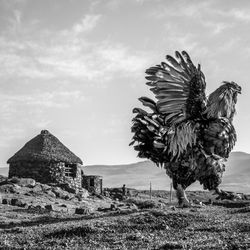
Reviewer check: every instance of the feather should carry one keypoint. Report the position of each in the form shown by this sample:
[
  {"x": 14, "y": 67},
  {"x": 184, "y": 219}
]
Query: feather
[
  {"x": 189, "y": 62},
  {"x": 148, "y": 103},
  {"x": 140, "y": 111},
  {"x": 183, "y": 63},
  {"x": 151, "y": 84},
  {"x": 174, "y": 63},
  {"x": 165, "y": 84},
  {"x": 167, "y": 77}
]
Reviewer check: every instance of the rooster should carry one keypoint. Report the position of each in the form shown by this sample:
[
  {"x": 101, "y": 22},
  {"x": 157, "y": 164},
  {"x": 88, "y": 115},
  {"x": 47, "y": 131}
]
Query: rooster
[{"x": 187, "y": 133}]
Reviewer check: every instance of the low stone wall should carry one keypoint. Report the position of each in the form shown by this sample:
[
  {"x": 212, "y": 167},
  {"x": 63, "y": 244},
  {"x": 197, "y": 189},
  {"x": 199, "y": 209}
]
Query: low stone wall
[{"x": 48, "y": 173}]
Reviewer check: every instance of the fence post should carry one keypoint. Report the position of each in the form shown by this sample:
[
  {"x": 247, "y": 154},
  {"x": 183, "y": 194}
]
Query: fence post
[
  {"x": 150, "y": 190},
  {"x": 171, "y": 189}
]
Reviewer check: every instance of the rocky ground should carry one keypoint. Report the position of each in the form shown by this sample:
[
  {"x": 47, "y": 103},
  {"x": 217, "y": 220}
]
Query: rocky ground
[{"x": 39, "y": 216}]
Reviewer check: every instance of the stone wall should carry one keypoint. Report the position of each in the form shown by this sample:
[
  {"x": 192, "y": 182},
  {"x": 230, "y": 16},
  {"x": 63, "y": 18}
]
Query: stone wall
[
  {"x": 45, "y": 172},
  {"x": 93, "y": 183}
]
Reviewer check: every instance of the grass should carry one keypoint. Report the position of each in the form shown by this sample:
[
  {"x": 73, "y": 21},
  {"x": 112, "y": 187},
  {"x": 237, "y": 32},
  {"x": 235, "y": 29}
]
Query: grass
[{"x": 155, "y": 225}]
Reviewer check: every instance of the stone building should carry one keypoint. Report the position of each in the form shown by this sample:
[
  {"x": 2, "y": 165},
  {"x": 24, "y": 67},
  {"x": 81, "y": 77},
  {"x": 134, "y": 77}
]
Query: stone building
[
  {"x": 93, "y": 183},
  {"x": 45, "y": 159}
]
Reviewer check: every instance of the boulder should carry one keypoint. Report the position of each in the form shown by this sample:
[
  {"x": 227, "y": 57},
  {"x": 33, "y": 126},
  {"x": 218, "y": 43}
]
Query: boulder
[
  {"x": 50, "y": 193},
  {"x": 24, "y": 182},
  {"x": 6, "y": 201},
  {"x": 37, "y": 189},
  {"x": 82, "y": 194},
  {"x": 45, "y": 187},
  {"x": 17, "y": 202},
  {"x": 61, "y": 193},
  {"x": 82, "y": 210},
  {"x": 67, "y": 188},
  {"x": 38, "y": 207},
  {"x": 133, "y": 207},
  {"x": 9, "y": 188},
  {"x": 113, "y": 207},
  {"x": 50, "y": 207}
]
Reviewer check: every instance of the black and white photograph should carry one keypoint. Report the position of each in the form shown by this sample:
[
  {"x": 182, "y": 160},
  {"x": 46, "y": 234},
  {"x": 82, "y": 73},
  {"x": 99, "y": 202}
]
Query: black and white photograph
[{"x": 124, "y": 124}]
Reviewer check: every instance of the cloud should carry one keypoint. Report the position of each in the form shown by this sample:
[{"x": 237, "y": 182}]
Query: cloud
[
  {"x": 183, "y": 9},
  {"x": 19, "y": 111},
  {"x": 217, "y": 27},
  {"x": 87, "y": 23},
  {"x": 9, "y": 134},
  {"x": 67, "y": 53},
  {"x": 242, "y": 15},
  {"x": 17, "y": 15},
  {"x": 52, "y": 99}
]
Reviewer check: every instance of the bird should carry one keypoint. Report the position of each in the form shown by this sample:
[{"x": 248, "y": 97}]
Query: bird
[{"x": 182, "y": 130}]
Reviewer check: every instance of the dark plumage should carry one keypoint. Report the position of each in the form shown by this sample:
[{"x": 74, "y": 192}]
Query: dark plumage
[{"x": 187, "y": 133}]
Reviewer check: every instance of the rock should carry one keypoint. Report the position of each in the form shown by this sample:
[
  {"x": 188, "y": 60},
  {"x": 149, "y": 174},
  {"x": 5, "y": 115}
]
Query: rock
[
  {"x": 83, "y": 193},
  {"x": 171, "y": 245},
  {"x": 113, "y": 207},
  {"x": 40, "y": 207},
  {"x": 63, "y": 209},
  {"x": 49, "y": 207},
  {"x": 82, "y": 210},
  {"x": 6, "y": 201},
  {"x": 17, "y": 202},
  {"x": 37, "y": 189},
  {"x": 173, "y": 208},
  {"x": 24, "y": 182},
  {"x": 133, "y": 207},
  {"x": 193, "y": 210},
  {"x": 9, "y": 188},
  {"x": 196, "y": 201},
  {"x": 71, "y": 210},
  {"x": 27, "y": 182},
  {"x": 45, "y": 187},
  {"x": 106, "y": 193},
  {"x": 67, "y": 188},
  {"x": 50, "y": 193},
  {"x": 103, "y": 209},
  {"x": 61, "y": 193}
]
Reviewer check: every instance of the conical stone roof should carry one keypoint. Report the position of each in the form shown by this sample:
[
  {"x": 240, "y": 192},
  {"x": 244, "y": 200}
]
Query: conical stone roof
[{"x": 45, "y": 147}]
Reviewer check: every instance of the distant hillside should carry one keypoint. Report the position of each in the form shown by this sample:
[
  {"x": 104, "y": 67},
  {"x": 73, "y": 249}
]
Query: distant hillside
[
  {"x": 4, "y": 171},
  {"x": 139, "y": 175}
]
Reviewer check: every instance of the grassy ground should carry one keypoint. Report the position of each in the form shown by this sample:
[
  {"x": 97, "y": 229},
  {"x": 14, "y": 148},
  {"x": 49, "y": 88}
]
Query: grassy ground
[{"x": 156, "y": 226}]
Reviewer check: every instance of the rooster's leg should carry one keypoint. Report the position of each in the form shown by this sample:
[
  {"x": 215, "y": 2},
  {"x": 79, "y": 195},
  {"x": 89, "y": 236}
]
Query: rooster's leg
[{"x": 181, "y": 196}]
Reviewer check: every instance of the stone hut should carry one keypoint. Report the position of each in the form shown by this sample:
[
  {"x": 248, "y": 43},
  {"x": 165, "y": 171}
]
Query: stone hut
[
  {"x": 93, "y": 183},
  {"x": 45, "y": 159}
]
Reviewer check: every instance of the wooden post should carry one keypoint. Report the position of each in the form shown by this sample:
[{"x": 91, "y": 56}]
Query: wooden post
[
  {"x": 150, "y": 190},
  {"x": 171, "y": 194}
]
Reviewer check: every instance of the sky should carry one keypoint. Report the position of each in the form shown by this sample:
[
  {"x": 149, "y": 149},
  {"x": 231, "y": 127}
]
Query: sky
[{"x": 77, "y": 68}]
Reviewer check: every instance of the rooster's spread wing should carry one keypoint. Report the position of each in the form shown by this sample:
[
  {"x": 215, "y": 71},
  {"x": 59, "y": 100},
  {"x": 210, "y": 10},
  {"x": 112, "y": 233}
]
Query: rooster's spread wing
[{"x": 179, "y": 88}]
